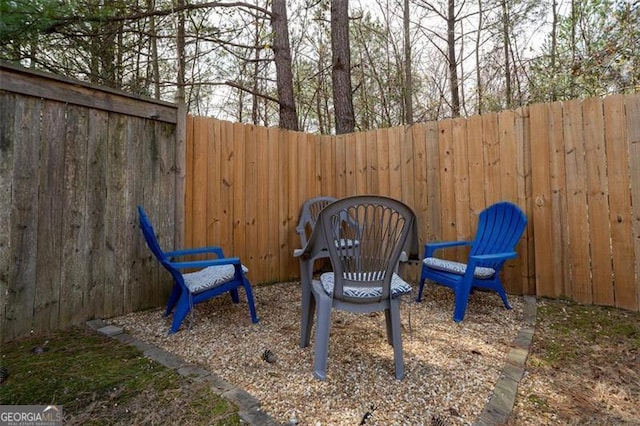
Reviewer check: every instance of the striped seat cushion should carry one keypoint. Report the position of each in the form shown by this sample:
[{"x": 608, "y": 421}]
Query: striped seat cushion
[
  {"x": 398, "y": 287},
  {"x": 457, "y": 267},
  {"x": 210, "y": 277}
]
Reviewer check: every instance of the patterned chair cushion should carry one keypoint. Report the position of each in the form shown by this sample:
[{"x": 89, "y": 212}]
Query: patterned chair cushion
[
  {"x": 346, "y": 243},
  {"x": 457, "y": 267},
  {"x": 210, "y": 277},
  {"x": 398, "y": 287}
]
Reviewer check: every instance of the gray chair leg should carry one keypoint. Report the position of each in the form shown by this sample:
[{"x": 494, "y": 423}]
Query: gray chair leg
[
  {"x": 323, "y": 324},
  {"x": 396, "y": 329}
]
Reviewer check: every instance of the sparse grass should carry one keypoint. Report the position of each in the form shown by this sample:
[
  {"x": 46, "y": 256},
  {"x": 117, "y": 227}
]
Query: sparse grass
[
  {"x": 100, "y": 381},
  {"x": 583, "y": 368}
]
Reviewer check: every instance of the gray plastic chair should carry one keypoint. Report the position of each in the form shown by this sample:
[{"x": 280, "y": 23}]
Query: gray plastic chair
[
  {"x": 309, "y": 216},
  {"x": 363, "y": 278}
]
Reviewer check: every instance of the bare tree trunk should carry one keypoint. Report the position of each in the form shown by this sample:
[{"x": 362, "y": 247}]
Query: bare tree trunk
[
  {"x": 153, "y": 40},
  {"x": 408, "y": 79},
  {"x": 341, "y": 69},
  {"x": 180, "y": 43},
  {"x": 479, "y": 87},
  {"x": 284, "y": 74},
  {"x": 453, "y": 63},
  {"x": 507, "y": 56},
  {"x": 554, "y": 47}
]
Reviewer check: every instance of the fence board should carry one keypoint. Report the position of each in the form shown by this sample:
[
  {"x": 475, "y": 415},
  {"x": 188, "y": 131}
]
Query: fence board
[
  {"x": 214, "y": 182},
  {"x": 508, "y": 152},
  {"x": 476, "y": 165},
  {"x": 461, "y": 183},
  {"x": 617, "y": 152},
  {"x": 577, "y": 202},
  {"x": 598, "y": 202},
  {"x": 632, "y": 108},
  {"x": 559, "y": 193},
  {"x": 7, "y": 121},
  {"x": 381, "y": 163},
  {"x": 263, "y": 200},
  {"x": 273, "y": 206},
  {"x": 249, "y": 194},
  {"x": 96, "y": 206},
  {"x": 542, "y": 214},
  {"x": 238, "y": 189},
  {"x": 491, "y": 145},
  {"x": 50, "y": 208},
  {"x": 523, "y": 178},
  {"x": 447, "y": 183},
  {"x": 24, "y": 213},
  {"x": 225, "y": 204}
]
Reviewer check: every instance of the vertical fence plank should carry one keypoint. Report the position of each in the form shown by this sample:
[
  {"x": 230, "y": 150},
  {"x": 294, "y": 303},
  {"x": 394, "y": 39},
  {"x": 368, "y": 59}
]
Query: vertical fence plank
[
  {"x": 238, "y": 190},
  {"x": 340, "y": 164},
  {"x": 262, "y": 204},
  {"x": 492, "y": 165},
  {"x": 189, "y": 186},
  {"x": 166, "y": 189},
  {"x": 461, "y": 183},
  {"x": 447, "y": 182},
  {"x": 96, "y": 188},
  {"x": 249, "y": 194},
  {"x": 351, "y": 168},
  {"x": 7, "y": 135},
  {"x": 382, "y": 162},
  {"x": 393, "y": 141},
  {"x": 137, "y": 180},
  {"x": 522, "y": 141},
  {"x": 632, "y": 108},
  {"x": 74, "y": 227},
  {"x": 407, "y": 167},
  {"x": 361, "y": 163},
  {"x": 598, "y": 202},
  {"x": 512, "y": 271},
  {"x": 372, "y": 163},
  {"x": 115, "y": 216},
  {"x": 617, "y": 151},
  {"x": 290, "y": 219},
  {"x": 214, "y": 182},
  {"x": 225, "y": 205},
  {"x": 199, "y": 173},
  {"x": 542, "y": 217},
  {"x": 476, "y": 164},
  {"x": 50, "y": 208},
  {"x": 273, "y": 207},
  {"x": 559, "y": 194},
  {"x": 577, "y": 202},
  {"x": 421, "y": 189},
  {"x": 23, "y": 219}
]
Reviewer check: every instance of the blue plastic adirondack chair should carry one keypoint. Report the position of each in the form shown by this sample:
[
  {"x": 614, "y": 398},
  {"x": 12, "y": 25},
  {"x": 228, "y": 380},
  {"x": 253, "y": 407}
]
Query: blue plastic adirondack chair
[
  {"x": 500, "y": 227},
  {"x": 216, "y": 276}
]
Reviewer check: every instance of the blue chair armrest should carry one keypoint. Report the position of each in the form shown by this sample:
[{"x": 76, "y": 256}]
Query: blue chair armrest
[
  {"x": 206, "y": 263},
  {"x": 201, "y": 250},
  {"x": 496, "y": 257},
  {"x": 430, "y": 248}
]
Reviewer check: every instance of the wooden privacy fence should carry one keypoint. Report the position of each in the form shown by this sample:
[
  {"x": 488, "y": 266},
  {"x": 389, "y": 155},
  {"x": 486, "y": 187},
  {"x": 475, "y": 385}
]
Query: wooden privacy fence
[
  {"x": 573, "y": 167},
  {"x": 74, "y": 163}
]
